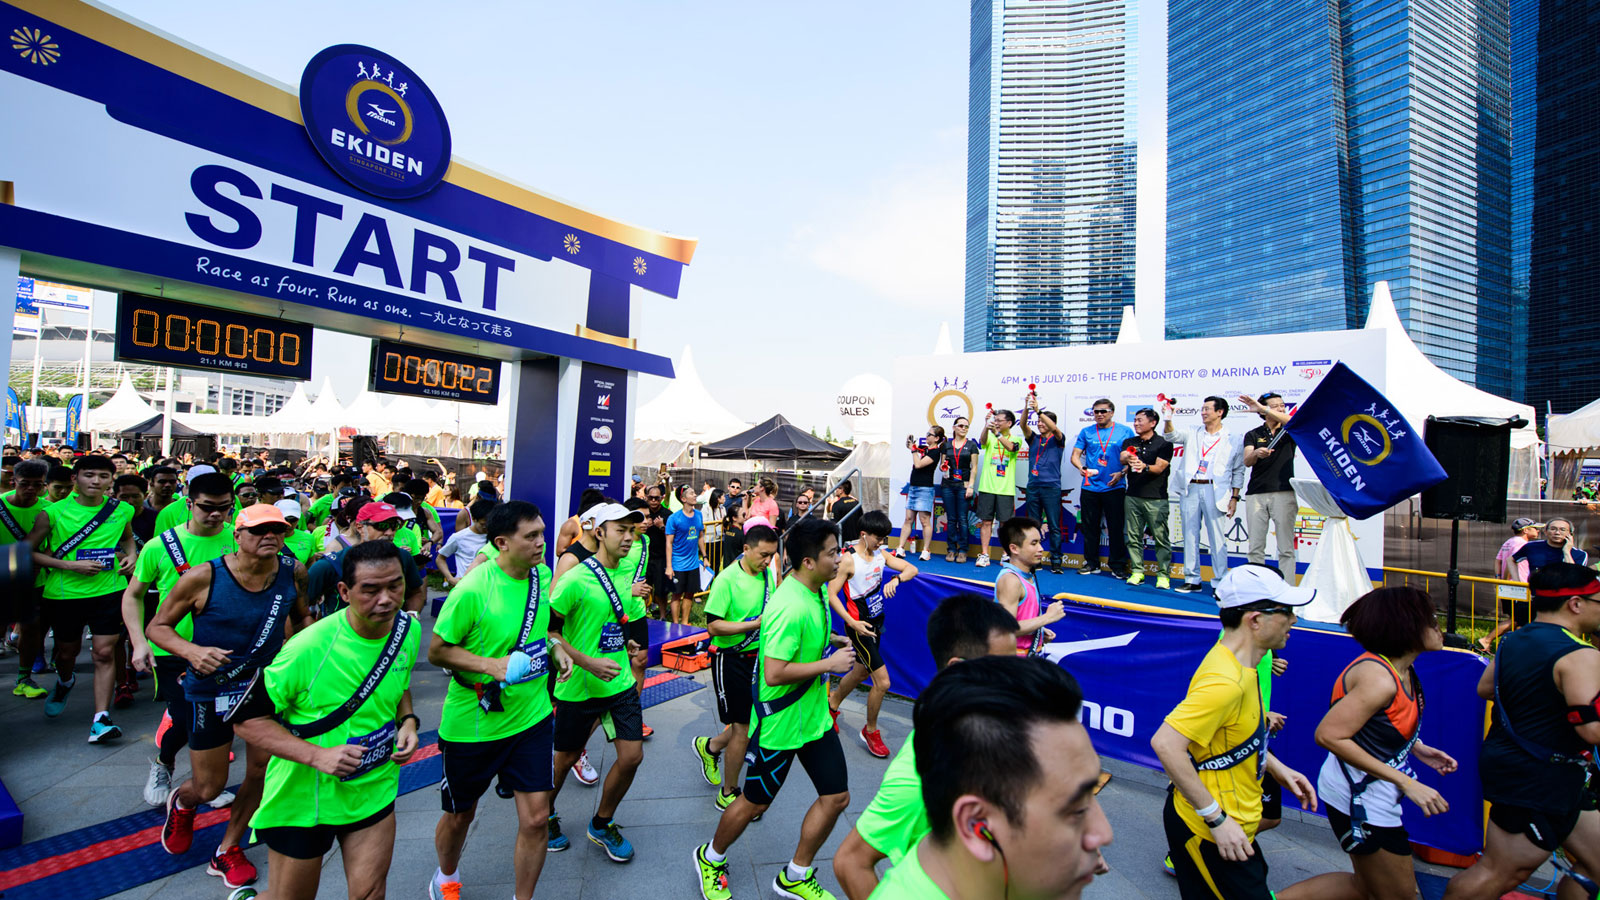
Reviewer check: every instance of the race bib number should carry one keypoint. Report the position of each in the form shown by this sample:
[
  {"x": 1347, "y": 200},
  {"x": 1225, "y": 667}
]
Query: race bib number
[
  {"x": 611, "y": 640},
  {"x": 875, "y": 604},
  {"x": 376, "y": 748},
  {"x": 230, "y": 697},
  {"x": 105, "y": 556},
  {"x": 538, "y": 658}
]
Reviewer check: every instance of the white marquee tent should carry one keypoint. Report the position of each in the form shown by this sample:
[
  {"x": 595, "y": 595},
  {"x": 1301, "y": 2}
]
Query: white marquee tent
[
  {"x": 125, "y": 408},
  {"x": 683, "y": 414}
]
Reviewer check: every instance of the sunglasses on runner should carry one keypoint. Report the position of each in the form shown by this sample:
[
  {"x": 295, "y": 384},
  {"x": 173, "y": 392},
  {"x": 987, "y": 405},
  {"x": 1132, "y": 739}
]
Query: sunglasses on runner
[
  {"x": 214, "y": 507},
  {"x": 269, "y": 528},
  {"x": 387, "y": 527},
  {"x": 1102, "y": 412}
]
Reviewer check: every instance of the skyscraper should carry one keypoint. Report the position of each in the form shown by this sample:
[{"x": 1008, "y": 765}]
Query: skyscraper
[
  {"x": 1556, "y": 141},
  {"x": 1051, "y": 171},
  {"x": 1315, "y": 149}
]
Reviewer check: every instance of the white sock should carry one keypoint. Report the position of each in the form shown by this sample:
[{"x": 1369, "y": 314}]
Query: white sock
[
  {"x": 713, "y": 856},
  {"x": 102, "y": 714},
  {"x": 439, "y": 877},
  {"x": 797, "y": 873}
]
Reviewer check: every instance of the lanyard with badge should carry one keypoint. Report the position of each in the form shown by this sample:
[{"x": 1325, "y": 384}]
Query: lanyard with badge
[
  {"x": 611, "y": 639},
  {"x": 10, "y": 522},
  {"x": 105, "y": 556},
  {"x": 537, "y": 651},
  {"x": 1205, "y": 464}
]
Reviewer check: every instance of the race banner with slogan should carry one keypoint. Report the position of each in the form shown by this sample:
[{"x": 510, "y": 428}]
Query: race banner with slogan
[
  {"x": 16, "y": 413},
  {"x": 1364, "y": 452},
  {"x": 74, "y": 419}
]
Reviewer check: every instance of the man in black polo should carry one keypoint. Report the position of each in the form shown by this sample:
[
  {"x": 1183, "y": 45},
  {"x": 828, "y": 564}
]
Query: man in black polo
[
  {"x": 1269, "y": 496},
  {"x": 1147, "y": 457}
]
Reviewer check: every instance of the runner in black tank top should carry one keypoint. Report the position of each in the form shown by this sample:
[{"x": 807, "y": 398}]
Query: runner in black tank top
[
  {"x": 1546, "y": 684},
  {"x": 239, "y": 603}
]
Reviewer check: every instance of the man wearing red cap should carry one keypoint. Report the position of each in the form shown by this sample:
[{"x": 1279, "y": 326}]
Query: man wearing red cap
[
  {"x": 239, "y": 605},
  {"x": 375, "y": 522}
]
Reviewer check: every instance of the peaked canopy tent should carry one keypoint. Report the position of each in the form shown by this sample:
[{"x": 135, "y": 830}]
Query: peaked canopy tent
[
  {"x": 683, "y": 415},
  {"x": 125, "y": 408},
  {"x": 1421, "y": 389},
  {"x": 1573, "y": 437},
  {"x": 152, "y": 425},
  {"x": 774, "y": 439},
  {"x": 144, "y": 438}
]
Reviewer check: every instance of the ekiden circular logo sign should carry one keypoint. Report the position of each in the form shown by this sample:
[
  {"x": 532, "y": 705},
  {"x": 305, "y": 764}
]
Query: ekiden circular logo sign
[{"x": 374, "y": 121}]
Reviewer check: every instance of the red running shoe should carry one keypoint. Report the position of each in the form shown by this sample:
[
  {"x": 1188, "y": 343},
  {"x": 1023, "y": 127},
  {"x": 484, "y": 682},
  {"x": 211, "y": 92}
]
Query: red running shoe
[
  {"x": 161, "y": 729},
  {"x": 177, "y": 832},
  {"x": 232, "y": 866},
  {"x": 874, "y": 742},
  {"x": 648, "y": 732},
  {"x": 122, "y": 697},
  {"x": 835, "y": 713}
]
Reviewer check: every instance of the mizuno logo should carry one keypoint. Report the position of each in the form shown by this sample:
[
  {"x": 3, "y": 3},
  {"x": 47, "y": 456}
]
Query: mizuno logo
[{"x": 1059, "y": 650}]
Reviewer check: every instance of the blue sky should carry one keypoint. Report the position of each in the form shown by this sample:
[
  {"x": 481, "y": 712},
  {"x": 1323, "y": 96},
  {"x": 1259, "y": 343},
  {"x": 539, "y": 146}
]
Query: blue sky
[{"x": 816, "y": 150}]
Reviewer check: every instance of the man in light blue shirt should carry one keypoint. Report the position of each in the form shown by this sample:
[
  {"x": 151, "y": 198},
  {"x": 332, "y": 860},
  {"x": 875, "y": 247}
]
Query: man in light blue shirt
[
  {"x": 1097, "y": 456},
  {"x": 1209, "y": 473}
]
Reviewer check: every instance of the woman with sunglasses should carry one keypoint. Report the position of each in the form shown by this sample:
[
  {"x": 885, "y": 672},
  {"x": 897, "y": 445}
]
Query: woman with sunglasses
[
  {"x": 919, "y": 494},
  {"x": 956, "y": 459},
  {"x": 1372, "y": 730}
]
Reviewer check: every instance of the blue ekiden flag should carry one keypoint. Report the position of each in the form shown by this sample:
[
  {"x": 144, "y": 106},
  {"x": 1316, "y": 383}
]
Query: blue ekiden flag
[{"x": 1364, "y": 452}]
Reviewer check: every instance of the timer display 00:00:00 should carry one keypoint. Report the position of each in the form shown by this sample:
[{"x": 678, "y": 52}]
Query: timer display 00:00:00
[{"x": 234, "y": 341}]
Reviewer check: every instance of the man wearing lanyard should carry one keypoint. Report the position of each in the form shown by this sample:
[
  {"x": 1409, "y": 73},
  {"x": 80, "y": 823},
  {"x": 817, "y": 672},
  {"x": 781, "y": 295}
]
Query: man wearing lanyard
[
  {"x": 1095, "y": 456},
  {"x": 1270, "y": 498},
  {"x": 1044, "y": 476},
  {"x": 1211, "y": 463}
]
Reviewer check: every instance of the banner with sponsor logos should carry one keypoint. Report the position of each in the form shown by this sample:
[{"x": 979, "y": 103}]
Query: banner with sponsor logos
[
  {"x": 16, "y": 413},
  {"x": 935, "y": 390},
  {"x": 74, "y": 420},
  {"x": 1103, "y": 646},
  {"x": 597, "y": 455}
]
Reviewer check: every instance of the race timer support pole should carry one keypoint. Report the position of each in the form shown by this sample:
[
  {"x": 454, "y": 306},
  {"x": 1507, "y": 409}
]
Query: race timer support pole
[{"x": 1453, "y": 579}]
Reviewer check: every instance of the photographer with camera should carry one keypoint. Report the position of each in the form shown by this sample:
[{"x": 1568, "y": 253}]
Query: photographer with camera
[{"x": 919, "y": 494}]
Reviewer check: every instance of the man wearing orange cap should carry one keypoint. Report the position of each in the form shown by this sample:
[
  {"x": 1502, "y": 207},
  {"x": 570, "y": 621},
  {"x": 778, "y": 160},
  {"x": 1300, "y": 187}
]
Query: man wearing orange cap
[{"x": 239, "y": 605}]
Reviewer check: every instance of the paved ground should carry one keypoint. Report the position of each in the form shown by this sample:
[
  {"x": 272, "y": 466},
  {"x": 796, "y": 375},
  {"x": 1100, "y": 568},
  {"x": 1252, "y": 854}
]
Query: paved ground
[{"x": 62, "y": 783}]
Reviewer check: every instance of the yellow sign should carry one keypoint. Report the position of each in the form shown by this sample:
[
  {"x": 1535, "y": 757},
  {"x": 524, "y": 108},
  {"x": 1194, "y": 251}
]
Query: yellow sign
[{"x": 599, "y": 467}]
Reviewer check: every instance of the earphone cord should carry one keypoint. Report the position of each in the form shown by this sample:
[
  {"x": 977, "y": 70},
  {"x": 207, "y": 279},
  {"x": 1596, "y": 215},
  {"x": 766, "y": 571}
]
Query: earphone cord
[{"x": 1005, "y": 868}]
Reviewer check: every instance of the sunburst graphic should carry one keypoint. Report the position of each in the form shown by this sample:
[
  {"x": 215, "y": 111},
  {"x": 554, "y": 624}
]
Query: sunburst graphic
[
  {"x": 570, "y": 242},
  {"x": 638, "y": 265},
  {"x": 35, "y": 46}
]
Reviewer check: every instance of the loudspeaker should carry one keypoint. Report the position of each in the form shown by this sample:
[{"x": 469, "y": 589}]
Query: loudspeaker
[
  {"x": 1476, "y": 455},
  {"x": 364, "y": 449}
]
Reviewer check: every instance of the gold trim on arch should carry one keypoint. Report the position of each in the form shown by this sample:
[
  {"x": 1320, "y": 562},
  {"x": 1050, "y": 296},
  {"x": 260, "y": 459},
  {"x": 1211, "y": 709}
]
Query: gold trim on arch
[
  {"x": 591, "y": 334},
  {"x": 187, "y": 61}
]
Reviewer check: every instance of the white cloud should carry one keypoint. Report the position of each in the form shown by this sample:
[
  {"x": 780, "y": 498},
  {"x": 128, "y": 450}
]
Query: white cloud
[{"x": 903, "y": 238}]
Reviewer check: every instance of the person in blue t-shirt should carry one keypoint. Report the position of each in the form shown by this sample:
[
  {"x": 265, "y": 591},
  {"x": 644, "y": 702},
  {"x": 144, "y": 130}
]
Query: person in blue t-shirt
[
  {"x": 1557, "y": 546},
  {"x": 1096, "y": 456},
  {"x": 686, "y": 546},
  {"x": 1045, "y": 447}
]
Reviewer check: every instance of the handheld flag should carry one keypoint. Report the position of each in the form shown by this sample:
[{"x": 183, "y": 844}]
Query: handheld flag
[{"x": 1364, "y": 452}]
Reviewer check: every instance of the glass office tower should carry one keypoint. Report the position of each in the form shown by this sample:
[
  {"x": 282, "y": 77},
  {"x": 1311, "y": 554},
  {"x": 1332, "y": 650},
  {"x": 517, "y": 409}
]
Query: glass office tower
[
  {"x": 1051, "y": 171},
  {"x": 1556, "y": 143},
  {"x": 1317, "y": 148}
]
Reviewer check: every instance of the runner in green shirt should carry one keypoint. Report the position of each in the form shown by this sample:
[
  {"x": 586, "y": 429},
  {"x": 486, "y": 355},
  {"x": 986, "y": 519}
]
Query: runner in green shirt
[
  {"x": 340, "y": 784},
  {"x": 21, "y": 507},
  {"x": 497, "y": 715},
  {"x": 637, "y": 603},
  {"x": 87, "y": 543},
  {"x": 297, "y": 542},
  {"x": 207, "y": 535},
  {"x": 963, "y": 626},
  {"x": 733, "y": 617},
  {"x": 791, "y": 718},
  {"x": 589, "y": 617},
  {"x": 1045, "y": 838},
  {"x": 997, "y": 485}
]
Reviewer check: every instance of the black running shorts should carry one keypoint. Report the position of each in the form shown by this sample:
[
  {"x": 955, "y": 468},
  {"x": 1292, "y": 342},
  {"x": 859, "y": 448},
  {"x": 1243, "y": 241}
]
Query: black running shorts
[
  {"x": 1547, "y": 831},
  {"x": 1390, "y": 838},
  {"x": 620, "y": 713},
  {"x": 524, "y": 762},
  {"x": 1199, "y": 866},
  {"x": 731, "y": 675},
  {"x": 823, "y": 758},
  {"x": 69, "y": 616},
  {"x": 314, "y": 841},
  {"x": 868, "y": 652}
]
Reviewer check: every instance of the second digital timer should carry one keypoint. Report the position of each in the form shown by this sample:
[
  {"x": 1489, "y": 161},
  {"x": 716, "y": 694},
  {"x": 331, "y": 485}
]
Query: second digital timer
[{"x": 424, "y": 372}]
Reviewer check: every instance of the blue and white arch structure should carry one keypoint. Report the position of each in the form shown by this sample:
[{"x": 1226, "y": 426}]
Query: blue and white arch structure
[{"x": 162, "y": 169}]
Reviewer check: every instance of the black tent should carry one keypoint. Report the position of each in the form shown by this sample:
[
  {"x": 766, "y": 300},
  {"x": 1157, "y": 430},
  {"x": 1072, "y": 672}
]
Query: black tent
[
  {"x": 152, "y": 426},
  {"x": 144, "y": 439},
  {"x": 773, "y": 439}
]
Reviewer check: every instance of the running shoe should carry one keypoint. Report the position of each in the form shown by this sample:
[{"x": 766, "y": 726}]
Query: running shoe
[
  {"x": 646, "y": 731},
  {"x": 1167, "y": 864},
  {"x": 58, "y": 698},
  {"x": 713, "y": 875},
  {"x": 1089, "y": 569},
  {"x": 584, "y": 772},
  {"x": 158, "y": 785},
  {"x": 725, "y": 800},
  {"x": 177, "y": 831},
  {"x": 709, "y": 768},
  {"x": 983, "y": 560},
  {"x": 222, "y": 800},
  {"x": 449, "y": 890},
  {"x": 103, "y": 731},
  {"x": 1136, "y": 578},
  {"x": 805, "y": 889},
  {"x": 1163, "y": 582},
  {"x": 874, "y": 741},
  {"x": 27, "y": 687},
  {"x": 925, "y": 556},
  {"x": 232, "y": 867},
  {"x": 1188, "y": 588},
  {"x": 162, "y": 726},
  {"x": 610, "y": 838},
  {"x": 558, "y": 841},
  {"x": 39, "y": 668},
  {"x": 122, "y": 698},
  {"x": 1055, "y": 567}
]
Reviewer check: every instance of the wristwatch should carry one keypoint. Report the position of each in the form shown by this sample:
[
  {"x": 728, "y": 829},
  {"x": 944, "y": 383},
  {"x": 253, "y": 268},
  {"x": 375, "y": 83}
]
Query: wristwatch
[{"x": 1214, "y": 823}]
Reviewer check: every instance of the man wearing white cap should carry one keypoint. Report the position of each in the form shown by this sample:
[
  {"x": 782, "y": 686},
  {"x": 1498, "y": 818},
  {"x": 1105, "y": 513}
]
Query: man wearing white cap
[
  {"x": 178, "y": 513},
  {"x": 297, "y": 543},
  {"x": 1214, "y": 745}
]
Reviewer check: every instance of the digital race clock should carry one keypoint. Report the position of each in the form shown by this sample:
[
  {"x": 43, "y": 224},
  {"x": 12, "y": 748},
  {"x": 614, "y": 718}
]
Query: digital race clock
[
  {"x": 424, "y": 372},
  {"x": 169, "y": 333}
]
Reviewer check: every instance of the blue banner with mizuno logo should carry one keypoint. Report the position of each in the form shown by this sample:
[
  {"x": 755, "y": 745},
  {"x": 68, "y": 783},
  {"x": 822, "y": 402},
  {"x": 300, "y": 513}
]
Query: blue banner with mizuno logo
[
  {"x": 74, "y": 420},
  {"x": 1364, "y": 452}
]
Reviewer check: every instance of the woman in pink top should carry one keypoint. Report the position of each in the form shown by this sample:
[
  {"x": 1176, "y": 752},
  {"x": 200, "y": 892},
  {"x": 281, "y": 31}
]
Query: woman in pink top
[{"x": 761, "y": 501}]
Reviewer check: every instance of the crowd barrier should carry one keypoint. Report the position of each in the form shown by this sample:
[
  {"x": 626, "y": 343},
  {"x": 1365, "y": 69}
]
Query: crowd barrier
[{"x": 1135, "y": 665}]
